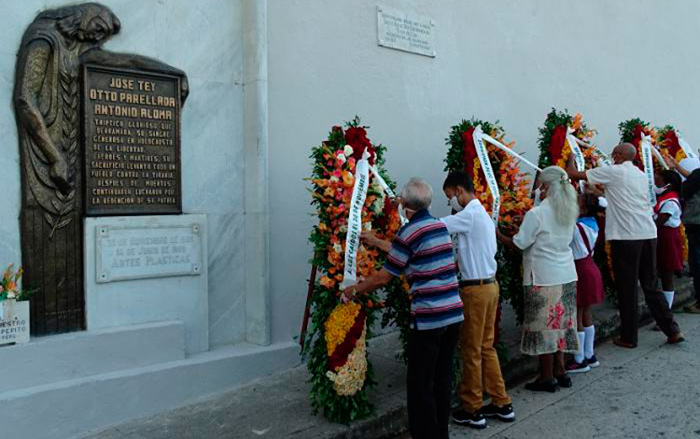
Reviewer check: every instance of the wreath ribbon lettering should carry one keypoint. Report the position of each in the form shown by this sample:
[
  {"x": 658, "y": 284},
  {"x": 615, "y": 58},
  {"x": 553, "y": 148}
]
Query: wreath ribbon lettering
[
  {"x": 483, "y": 155},
  {"x": 352, "y": 238},
  {"x": 648, "y": 167}
]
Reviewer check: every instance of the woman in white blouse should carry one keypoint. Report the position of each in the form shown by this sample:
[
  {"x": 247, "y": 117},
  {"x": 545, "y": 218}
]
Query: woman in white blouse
[{"x": 549, "y": 278}]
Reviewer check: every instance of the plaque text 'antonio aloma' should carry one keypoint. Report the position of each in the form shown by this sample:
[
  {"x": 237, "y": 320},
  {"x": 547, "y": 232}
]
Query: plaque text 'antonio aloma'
[{"x": 132, "y": 142}]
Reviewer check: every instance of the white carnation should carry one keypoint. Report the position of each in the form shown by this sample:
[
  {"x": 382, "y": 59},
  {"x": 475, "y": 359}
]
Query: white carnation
[
  {"x": 342, "y": 157},
  {"x": 348, "y": 150}
]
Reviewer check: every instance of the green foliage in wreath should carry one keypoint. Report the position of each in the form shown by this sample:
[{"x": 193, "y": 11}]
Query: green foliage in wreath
[{"x": 324, "y": 398}]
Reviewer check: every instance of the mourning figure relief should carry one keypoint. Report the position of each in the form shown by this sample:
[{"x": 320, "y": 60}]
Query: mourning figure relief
[{"x": 47, "y": 108}]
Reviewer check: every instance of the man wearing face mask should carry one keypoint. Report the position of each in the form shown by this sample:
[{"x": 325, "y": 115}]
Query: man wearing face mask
[
  {"x": 630, "y": 228},
  {"x": 422, "y": 251},
  {"x": 476, "y": 256}
]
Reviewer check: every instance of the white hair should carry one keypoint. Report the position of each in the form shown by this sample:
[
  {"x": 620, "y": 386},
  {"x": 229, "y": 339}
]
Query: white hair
[
  {"x": 561, "y": 194},
  {"x": 416, "y": 194}
]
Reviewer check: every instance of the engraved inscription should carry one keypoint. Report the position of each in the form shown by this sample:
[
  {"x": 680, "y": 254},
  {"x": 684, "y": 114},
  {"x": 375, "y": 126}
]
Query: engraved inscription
[
  {"x": 398, "y": 30},
  {"x": 132, "y": 145},
  {"x": 145, "y": 252}
]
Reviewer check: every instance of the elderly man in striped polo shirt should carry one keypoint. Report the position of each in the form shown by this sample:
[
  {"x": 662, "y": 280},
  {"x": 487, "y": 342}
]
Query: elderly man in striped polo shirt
[{"x": 422, "y": 250}]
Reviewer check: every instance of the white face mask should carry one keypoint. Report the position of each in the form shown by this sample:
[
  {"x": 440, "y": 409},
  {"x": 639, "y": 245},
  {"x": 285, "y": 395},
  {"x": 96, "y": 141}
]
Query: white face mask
[
  {"x": 538, "y": 197},
  {"x": 454, "y": 204},
  {"x": 660, "y": 190},
  {"x": 402, "y": 212}
]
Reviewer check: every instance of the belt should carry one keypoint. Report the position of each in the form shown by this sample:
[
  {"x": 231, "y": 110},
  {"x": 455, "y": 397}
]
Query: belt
[{"x": 474, "y": 282}]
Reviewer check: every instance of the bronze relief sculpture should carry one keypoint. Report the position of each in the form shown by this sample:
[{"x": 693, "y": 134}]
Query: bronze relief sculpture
[{"x": 47, "y": 108}]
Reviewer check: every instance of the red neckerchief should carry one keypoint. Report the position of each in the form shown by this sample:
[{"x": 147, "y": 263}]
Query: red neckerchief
[{"x": 669, "y": 195}]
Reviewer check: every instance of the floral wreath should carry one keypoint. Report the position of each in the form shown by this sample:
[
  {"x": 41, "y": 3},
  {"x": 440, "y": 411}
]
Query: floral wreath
[
  {"x": 554, "y": 149},
  {"x": 340, "y": 370},
  {"x": 515, "y": 197},
  {"x": 631, "y": 132}
]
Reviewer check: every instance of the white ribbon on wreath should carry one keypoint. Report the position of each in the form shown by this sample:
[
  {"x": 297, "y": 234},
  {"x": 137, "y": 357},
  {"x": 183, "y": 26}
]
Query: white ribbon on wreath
[
  {"x": 603, "y": 156},
  {"x": 579, "y": 160},
  {"x": 648, "y": 167},
  {"x": 352, "y": 237},
  {"x": 478, "y": 137}
]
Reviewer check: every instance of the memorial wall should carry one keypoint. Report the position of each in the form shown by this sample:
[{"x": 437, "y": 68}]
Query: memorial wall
[{"x": 136, "y": 158}]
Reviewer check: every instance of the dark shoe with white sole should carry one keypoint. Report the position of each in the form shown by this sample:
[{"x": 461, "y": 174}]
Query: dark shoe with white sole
[
  {"x": 592, "y": 362},
  {"x": 505, "y": 413},
  {"x": 473, "y": 420}
]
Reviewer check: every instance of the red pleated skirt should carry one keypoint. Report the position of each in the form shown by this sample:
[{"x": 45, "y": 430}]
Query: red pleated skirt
[
  {"x": 669, "y": 250},
  {"x": 589, "y": 289}
]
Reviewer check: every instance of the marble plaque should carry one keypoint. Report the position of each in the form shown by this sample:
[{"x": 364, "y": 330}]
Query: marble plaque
[
  {"x": 401, "y": 31},
  {"x": 125, "y": 253},
  {"x": 14, "y": 322}
]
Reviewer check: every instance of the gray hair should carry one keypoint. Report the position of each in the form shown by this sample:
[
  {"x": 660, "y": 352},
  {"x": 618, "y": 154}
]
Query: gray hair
[
  {"x": 416, "y": 194},
  {"x": 561, "y": 194}
]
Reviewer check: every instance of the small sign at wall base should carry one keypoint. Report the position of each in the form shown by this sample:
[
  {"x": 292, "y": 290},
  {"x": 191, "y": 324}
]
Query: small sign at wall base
[
  {"x": 409, "y": 33},
  {"x": 14, "y": 322}
]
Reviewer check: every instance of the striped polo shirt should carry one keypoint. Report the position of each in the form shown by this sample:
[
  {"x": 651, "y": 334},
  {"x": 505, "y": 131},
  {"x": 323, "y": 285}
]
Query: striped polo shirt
[{"x": 422, "y": 250}]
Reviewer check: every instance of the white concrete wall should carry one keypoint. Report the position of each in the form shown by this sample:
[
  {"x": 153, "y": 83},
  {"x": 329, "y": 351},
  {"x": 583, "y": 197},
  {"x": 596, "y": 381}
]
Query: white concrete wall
[
  {"x": 508, "y": 60},
  {"x": 204, "y": 38}
]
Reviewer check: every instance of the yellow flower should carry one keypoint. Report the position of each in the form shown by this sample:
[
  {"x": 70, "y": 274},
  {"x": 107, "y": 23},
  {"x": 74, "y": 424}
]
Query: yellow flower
[{"x": 339, "y": 323}]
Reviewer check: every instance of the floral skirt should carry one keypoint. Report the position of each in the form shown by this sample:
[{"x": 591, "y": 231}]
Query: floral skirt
[{"x": 549, "y": 324}]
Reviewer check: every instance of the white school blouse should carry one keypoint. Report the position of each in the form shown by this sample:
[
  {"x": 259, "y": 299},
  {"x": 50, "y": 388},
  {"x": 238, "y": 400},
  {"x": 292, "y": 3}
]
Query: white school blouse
[{"x": 547, "y": 257}]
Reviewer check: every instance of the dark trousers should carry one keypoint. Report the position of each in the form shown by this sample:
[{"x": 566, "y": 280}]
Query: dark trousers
[
  {"x": 429, "y": 381},
  {"x": 693, "y": 233},
  {"x": 636, "y": 260}
]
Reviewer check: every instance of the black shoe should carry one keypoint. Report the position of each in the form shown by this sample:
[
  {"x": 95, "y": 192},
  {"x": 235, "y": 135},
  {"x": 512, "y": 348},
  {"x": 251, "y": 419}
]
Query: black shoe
[
  {"x": 544, "y": 386},
  {"x": 473, "y": 420},
  {"x": 574, "y": 367},
  {"x": 564, "y": 381},
  {"x": 505, "y": 413},
  {"x": 592, "y": 362}
]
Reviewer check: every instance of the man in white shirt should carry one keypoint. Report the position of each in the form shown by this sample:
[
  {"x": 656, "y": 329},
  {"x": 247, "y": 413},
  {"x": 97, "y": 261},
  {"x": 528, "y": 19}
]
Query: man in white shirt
[
  {"x": 630, "y": 228},
  {"x": 476, "y": 257}
]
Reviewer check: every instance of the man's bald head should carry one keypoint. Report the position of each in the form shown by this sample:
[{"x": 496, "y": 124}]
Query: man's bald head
[{"x": 624, "y": 152}]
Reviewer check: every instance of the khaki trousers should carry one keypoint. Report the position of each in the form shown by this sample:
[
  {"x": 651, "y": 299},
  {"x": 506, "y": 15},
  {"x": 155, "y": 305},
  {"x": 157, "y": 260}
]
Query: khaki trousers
[{"x": 481, "y": 369}]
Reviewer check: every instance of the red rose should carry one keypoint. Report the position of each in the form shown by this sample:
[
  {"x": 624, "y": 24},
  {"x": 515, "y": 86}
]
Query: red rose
[
  {"x": 469, "y": 151},
  {"x": 671, "y": 143},
  {"x": 357, "y": 138},
  {"x": 556, "y": 143}
]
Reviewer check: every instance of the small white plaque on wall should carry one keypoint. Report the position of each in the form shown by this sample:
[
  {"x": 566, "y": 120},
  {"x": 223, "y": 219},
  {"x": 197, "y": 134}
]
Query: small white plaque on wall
[
  {"x": 14, "y": 322},
  {"x": 126, "y": 253},
  {"x": 401, "y": 31}
]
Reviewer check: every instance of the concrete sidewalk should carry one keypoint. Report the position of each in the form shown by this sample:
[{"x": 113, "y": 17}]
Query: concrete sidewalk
[
  {"x": 278, "y": 407},
  {"x": 651, "y": 391}
]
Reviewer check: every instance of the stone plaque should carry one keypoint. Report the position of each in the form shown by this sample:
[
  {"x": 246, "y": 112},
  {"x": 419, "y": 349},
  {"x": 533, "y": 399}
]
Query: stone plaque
[
  {"x": 398, "y": 30},
  {"x": 132, "y": 142},
  {"x": 125, "y": 253},
  {"x": 14, "y": 322}
]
